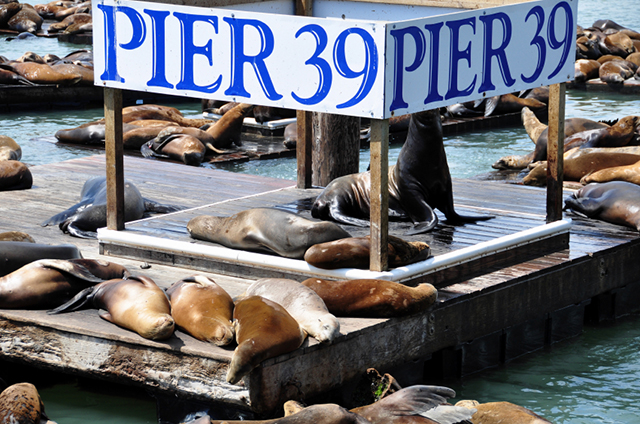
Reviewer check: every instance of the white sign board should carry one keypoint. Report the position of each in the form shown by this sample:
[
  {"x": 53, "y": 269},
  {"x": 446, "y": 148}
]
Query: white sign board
[{"x": 373, "y": 69}]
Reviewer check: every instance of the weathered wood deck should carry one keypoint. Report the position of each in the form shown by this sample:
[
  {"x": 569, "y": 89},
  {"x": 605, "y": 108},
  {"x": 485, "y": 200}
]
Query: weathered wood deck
[{"x": 500, "y": 312}]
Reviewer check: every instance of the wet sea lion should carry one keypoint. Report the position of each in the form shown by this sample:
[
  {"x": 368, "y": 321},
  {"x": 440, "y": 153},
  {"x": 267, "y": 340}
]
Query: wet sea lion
[
  {"x": 11, "y": 77},
  {"x": 48, "y": 283},
  {"x": 9, "y": 149},
  {"x": 604, "y": 24},
  {"x": 372, "y": 298},
  {"x": 26, "y": 20},
  {"x": 82, "y": 18},
  {"x": 48, "y": 10},
  {"x": 328, "y": 413},
  {"x": 42, "y": 73},
  {"x": 88, "y": 134},
  {"x": 226, "y": 131},
  {"x": 203, "y": 136},
  {"x": 615, "y": 71},
  {"x": 581, "y": 162},
  {"x": 619, "y": 44},
  {"x": 7, "y": 11},
  {"x": 137, "y": 136},
  {"x": 84, "y": 218},
  {"x": 501, "y": 412},
  {"x": 84, "y": 7},
  {"x": 586, "y": 69},
  {"x": 415, "y": 405},
  {"x": 17, "y": 236},
  {"x": 617, "y": 202},
  {"x": 14, "y": 175},
  {"x": 21, "y": 404},
  {"x": 16, "y": 254},
  {"x": 30, "y": 57},
  {"x": 136, "y": 304},
  {"x": 302, "y": 303},
  {"x": 179, "y": 147},
  {"x": 264, "y": 330},
  {"x": 203, "y": 309},
  {"x": 265, "y": 230},
  {"x": 73, "y": 69},
  {"x": 354, "y": 252},
  {"x": 419, "y": 182},
  {"x": 617, "y": 135},
  {"x": 634, "y": 58},
  {"x": 621, "y": 172}
]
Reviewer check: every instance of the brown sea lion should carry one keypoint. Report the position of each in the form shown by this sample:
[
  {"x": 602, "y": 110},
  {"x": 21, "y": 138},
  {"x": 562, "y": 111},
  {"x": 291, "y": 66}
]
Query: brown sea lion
[
  {"x": 30, "y": 57},
  {"x": 622, "y": 172},
  {"x": 71, "y": 69},
  {"x": 581, "y": 162},
  {"x": 586, "y": 69},
  {"x": 153, "y": 123},
  {"x": 203, "y": 309},
  {"x": 227, "y": 130},
  {"x": 327, "y": 413},
  {"x": 291, "y": 135},
  {"x": 135, "y": 137},
  {"x": 78, "y": 28},
  {"x": 615, "y": 72},
  {"x": 587, "y": 48},
  {"x": 48, "y": 10},
  {"x": 84, "y": 7},
  {"x": 76, "y": 18},
  {"x": 617, "y": 135},
  {"x": 265, "y": 230},
  {"x": 87, "y": 134},
  {"x": 269, "y": 113},
  {"x": 42, "y": 73},
  {"x": 501, "y": 412},
  {"x": 605, "y": 24},
  {"x": 9, "y": 149},
  {"x": 10, "y": 77},
  {"x": 634, "y": 58},
  {"x": 14, "y": 175},
  {"x": 19, "y": 236},
  {"x": 205, "y": 138},
  {"x": 21, "y": 404},
  {"x": 264, "y": 330},
  {"x": 510, "y": 103},
  {"x": 50, "y": 282},
  {"x": 26, "y": 20},
  {"x": 415, "y": 405},
  {"x": 302, "y": 303},
  {"x": 617, "y": 202},
  {"x": 136, "y": 304},
  {"x": 619, "y": 44},
  {"x": 16, "y": 254},
  {"x": 372, "y": 298},
  {"x": 354, "y": 252},
  {"x": 179, "y": 147},
  {"x": 419, "y": 182},
  {"x": 7, "y": 11}
]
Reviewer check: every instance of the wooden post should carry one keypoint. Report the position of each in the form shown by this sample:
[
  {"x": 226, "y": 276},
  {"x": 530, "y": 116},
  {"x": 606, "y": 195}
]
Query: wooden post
[
  {"x": 555, "y": 151},
  {"x": 378, "y": 260},
  {"x": 336, "y": 147},
  {"x": 304, "y": 147},
  {"x": 113, "y": 148}
]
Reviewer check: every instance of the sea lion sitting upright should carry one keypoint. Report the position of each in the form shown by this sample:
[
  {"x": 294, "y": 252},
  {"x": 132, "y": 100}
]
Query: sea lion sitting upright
[
  {"x": 84, "y": 218},
  {"x": 9, "y": 149},
  {"x": 264, "y": 329},
  {"x": 136, "y": 304},
  {"x": 302, "y": 303},
  {"x": 228, "y": 129},
  {"x": 203, "y": 309},
  {"x": 267, "y": 230},
  {"x": 21, "y": 404},
  {"x": 419, "y": 182}
]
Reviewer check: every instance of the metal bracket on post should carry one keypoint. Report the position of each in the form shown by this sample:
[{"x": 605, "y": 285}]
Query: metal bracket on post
[
  {"x": 114, "y": 152},
  {"x": 379, "y": 151},
  {"x": 555, "y": 152}
]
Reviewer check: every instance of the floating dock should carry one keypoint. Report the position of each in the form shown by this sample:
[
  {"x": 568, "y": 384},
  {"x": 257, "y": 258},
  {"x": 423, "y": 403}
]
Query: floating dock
[
  {"x": 503, "y": 305},
  {"x": 630, "y": 86}
]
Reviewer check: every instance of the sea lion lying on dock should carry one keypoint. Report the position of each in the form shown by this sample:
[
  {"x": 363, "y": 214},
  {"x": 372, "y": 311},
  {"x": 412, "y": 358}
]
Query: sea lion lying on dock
[
  {"x": 179, "y": 147},
  {"x": 501, "y": 412},
  {"x": 16, "y": 253},
  {"x": 48, "y": 283},
  {"x": 9, "y": 149},
  {"x": 14, "y": 175},
  {"x": 327, "y": 413},
  {"x": 136, "y": 304},
  {"x": 266, "y": 230},
  {"x": 419, "y": 182},
  {"x": 84, "y": 218},
  {"x": 203, "y": 309},
  {"x": 20, "y": 403}
]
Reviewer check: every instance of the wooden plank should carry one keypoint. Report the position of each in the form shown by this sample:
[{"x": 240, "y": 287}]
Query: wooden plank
[
  {"x": 115, "y": 167},
  {"x": 379, "y": 151},
  {"x": 555, "y": 150}
]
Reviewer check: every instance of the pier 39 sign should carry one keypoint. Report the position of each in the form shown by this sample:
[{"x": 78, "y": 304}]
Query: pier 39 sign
[{"x": 374, "y": 69}]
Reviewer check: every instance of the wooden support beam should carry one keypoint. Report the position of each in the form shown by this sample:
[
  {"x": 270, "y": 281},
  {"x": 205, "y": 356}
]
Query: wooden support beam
[
  {"x": 379, "y": 151},
  {"x": 555, "y": 151},
  {"x": 113, "y": 149},
  {"x": 304, "y": 121}
]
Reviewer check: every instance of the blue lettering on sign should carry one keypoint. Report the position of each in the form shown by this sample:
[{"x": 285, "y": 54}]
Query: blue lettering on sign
[
  {"x": 159, "y": 78},
  {"x": 539, "y": 42},
  {"x": 239, "y": 58},
  {"x": 399, "y": 68},
  {"x": 434, "y": 47},
  {"x": 323, "y": 67},
  {"x": 456, "y": 55},
  {"x": 137, "y": 38},
  {"x": 369, "y": 68},
  {"x": 567, "y": 41},
  {"x": 189, "y": 50},
  {"x": 499, "y": 52}
]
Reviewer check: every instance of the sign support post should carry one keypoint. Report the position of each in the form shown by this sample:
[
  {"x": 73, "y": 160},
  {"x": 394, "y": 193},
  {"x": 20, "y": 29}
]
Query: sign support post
[
  {"x": 114, "y": 158},
  {"x": 555, "y": 151},
  {"x": 379, "y": 154},
  {"x": 304, "y": 121}
]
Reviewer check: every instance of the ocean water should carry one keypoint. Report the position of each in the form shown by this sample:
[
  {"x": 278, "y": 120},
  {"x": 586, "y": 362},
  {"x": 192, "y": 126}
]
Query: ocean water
[{"x": 594, "y": 378}]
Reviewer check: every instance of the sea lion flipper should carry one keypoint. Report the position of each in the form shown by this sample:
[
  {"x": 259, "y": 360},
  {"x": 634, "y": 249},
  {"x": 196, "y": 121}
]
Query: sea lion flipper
[
  {"x": 152, "y": 206},
  {"x": 71, "y": 228},
  {"x": 106, "y": 316},
  {"x": 77, "y": 302},
  {"x": 73, "y": 268},
  {"x": 338, "y": 215},
  {"x": 62, "y": 216},
  {"x": 423, "y": 227}
]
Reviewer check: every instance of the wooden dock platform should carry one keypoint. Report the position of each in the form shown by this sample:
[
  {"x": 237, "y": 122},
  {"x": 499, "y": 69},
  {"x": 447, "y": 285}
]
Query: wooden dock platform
[{"x": 500, "y": 311}]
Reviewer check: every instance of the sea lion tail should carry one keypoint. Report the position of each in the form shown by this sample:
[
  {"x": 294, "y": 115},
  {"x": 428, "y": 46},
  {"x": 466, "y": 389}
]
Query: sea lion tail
[
  {"x": 77, "y": 302},
  {"x": 456, "y": 219}
]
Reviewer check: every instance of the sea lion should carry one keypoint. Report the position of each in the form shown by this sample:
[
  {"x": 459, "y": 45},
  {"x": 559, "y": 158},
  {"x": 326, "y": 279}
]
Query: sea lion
[
  {"x": 354, "y": 252},
  {"x": 26, "y": 20},
  {"x": 372, "y": 298},
  {"x": 586, "y": 69},
  {"x": 619, "y": 44},
  {"x": 587, "y": 48},
  {"x": 327, "y": 413},
  {"x": 510, "y": 103},
  {"x": 30, "y": 57},
  {"x": 16, "y": 254},
  {"x": 419, "y": 182},
  {"x": 16, "y": 236},
  {"x": 50, "y": 282},
  {"x": 152, "y": 112},
  {"x": 73, "y": 69},
  {"x": 9, "y": 149},
  {"x": 617, "y": 202},
  {"x": 269, "y": 113},
  {"x": 179, "y": 147},
  {"x": 634, "y": 58},
  {"x": 11, "y": 77},
  {"x": 136, "y": 304},
  {"x": 264, "y": 330},
  {"x": 203, "y": 136},
  {"x": 615, "y": 71},
  {"x": 84, "y": 7},
  {"x": 621, "y": 172},
  {"x": 617, "y": 135},
  {"x": 84, "y": 218},
  {"x": 227, "y": 130},
  {"x": 581, "y": 162},
  {"x": 7, "y": 11},
  {"x": 203, "y": 309},
  {"x": 88, "y": 134},
  {"x": 21, "y": 404},
  {"x": 138, "y": 135},
  {"x": 265, "y": 230},
  {"x": 48, "y": 10},
  {"x": 417, "y": 404},
  {"x": 302, "y": 303},
  {"x": 604, "y": 24},
  {"x": 42, "y": 73},
  {"x": 14, "y": 175},
  {"x": 501, "y": 412},
  {"x": 82, "y": 18},
  {"x": 291, "y": 135}
]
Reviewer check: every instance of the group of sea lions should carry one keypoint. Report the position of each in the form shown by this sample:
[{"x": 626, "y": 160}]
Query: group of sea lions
[
  {"x": 21, "y": 17},
  {"x": 76, "y": 68},
  {"x": 14, "y": 175},
  {"x": 73, "y": 16},
  {"x": 607, "y": 51}
]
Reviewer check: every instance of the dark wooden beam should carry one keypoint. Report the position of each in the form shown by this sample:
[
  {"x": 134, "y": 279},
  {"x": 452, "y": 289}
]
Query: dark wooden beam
[
  {"x": 114, "y": 152},
  {"x": 555, "y": 150},
  {"x": 378, "y": 260}
]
